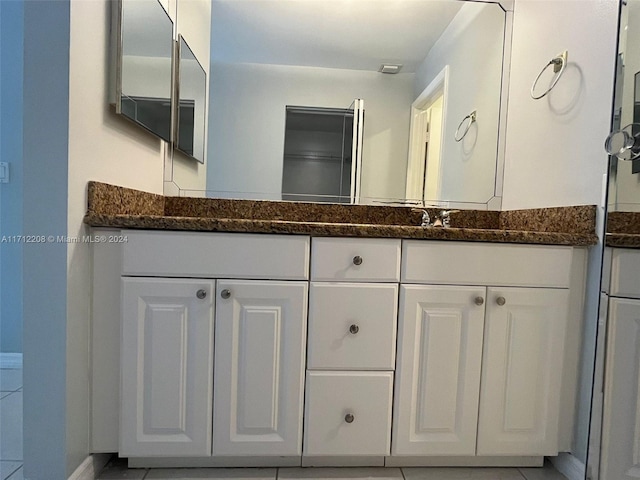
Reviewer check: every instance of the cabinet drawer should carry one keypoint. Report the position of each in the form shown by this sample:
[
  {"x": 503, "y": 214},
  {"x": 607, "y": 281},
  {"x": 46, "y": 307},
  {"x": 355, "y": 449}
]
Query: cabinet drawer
[
  {"x": 352, "y": 326},
  {"x": 227, "y": 255},
  {"x": 335, "y": 398},
  {"x": 363, "y": 260},
  {"x": 458, "y": 263},
  {"x": 625, "y": 265}
]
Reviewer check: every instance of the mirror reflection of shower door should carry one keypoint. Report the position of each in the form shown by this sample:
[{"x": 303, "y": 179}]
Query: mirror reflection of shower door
[
  {"x": 319, "y": 153},
  {"x": 357, "y": 132}
]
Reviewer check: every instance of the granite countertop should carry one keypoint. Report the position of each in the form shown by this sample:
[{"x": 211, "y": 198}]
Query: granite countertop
[
  {"x": 119, "y": 207},
  {"x": 623, "y": 230}
]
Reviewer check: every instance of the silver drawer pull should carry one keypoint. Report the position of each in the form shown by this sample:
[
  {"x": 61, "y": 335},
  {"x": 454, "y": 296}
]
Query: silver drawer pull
[
  {"x": 357, "y": 260},
  {"x": 501, "y": 301},
  {"x": 201, "y": 294},
  {"x": 479, "y": 300},
  {"x": 354, "y": 329},
  {"x": 226, "y": 293},
  {"x": 349, "y": 417}
]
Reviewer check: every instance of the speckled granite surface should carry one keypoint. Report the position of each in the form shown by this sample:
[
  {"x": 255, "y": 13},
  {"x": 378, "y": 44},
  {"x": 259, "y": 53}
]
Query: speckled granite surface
[
  {"x": 623, "y": 229},
  {"x": 119, "y": 207},
  {"x": 111, "y": 200}
]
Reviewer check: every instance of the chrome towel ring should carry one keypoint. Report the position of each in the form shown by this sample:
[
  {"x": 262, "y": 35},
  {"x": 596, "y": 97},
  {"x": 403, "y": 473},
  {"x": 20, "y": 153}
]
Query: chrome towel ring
[
  {"x": 559, "y": 63},
  {"x": 472, "y": 118}
]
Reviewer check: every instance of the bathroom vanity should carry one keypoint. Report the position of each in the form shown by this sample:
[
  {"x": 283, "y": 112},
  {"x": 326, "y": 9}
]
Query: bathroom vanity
[{"x": 233, "y": 348}]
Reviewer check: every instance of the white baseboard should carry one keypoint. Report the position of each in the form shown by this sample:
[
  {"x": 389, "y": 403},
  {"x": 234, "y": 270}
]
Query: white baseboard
[
  {"x": 10, "y": 360},
  {"x": 91, "y": 467},
  {"x": 569, "y": 466}
]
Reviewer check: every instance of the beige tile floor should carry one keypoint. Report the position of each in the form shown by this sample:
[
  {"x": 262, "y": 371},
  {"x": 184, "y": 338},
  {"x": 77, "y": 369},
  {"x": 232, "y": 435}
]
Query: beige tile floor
[
  {"x": 118, "y": 470},
  {"x": 11, "y": 424}
]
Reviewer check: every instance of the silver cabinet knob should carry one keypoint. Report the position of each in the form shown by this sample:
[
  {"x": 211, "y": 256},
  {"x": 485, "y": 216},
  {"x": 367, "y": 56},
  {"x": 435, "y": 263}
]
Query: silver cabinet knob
[
  {"x": 226, "y": 293},
  {"x": 479, "y": 301},
  {"x": 201, "y": 294},
  {"x": 349, "y": 417},
  {"x": 501, "y": 301},
  {"x": 357, "y": 260},
  {"x": 354, "y": 329}
]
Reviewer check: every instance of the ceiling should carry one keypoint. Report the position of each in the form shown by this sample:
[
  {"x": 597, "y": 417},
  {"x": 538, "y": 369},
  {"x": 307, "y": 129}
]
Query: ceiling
[{"x": 350, "y": 34}]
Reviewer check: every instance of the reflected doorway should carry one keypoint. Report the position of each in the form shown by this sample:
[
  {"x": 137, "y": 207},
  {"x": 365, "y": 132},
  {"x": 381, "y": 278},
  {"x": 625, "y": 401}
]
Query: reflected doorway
[{"x": 428, "y": 111}]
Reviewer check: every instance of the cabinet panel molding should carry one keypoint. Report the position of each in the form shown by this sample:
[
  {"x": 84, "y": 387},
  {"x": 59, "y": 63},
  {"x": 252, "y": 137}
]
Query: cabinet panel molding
[
  {"x": 259, "y": 367},
  {"x": 438, "y": 372}
]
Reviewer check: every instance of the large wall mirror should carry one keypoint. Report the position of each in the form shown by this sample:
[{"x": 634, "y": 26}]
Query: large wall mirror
[
  {"x": 436, "y": 122},
  {"x": 142, "y": 46}
]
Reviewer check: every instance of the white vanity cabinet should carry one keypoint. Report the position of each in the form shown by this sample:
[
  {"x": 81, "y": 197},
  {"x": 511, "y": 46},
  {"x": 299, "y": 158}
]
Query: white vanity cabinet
[
  {"x": 473, "y": 335},
  {"x": 258, "y": 381},
  {"x": 173, "y": 401},
  {"x": 283, "y": 350}
]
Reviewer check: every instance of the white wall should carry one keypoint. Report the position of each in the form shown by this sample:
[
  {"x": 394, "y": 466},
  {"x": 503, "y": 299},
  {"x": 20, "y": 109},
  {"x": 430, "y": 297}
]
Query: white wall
[
  {"x": 554, "y": 146},
  {"x": 554, "y": 151},
  {"x": 247, "y": 119},
  {"x": 475, "y": 70}
]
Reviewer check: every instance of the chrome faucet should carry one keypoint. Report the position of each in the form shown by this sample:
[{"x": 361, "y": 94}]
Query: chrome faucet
[{"x": 442, "y": 218}]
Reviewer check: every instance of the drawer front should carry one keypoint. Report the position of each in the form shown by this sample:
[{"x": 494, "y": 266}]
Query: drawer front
[
  {"x": 625, "y": 265},
  {"x": 355, "y": 259},
  {"x": 227, "y": 255},
  {"x": 331, "y": 397},
  {"x": 457, "y": 263},
  {"x": 352, "y": 326}
]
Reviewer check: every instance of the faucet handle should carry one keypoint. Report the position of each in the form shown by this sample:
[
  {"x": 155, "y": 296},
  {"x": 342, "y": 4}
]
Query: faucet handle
[
  {"x": 426, "y": 219},
  {"x": 445, "y": 217}
]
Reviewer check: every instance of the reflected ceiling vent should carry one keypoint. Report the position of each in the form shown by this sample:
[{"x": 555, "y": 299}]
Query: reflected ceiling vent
[{"x": 390, "y": 68}]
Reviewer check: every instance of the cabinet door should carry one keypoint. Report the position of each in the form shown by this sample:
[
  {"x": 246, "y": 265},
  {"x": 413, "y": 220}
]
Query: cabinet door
[
  {"x": 438, "y": 370},
  {"x": 522, "y": 371},
  {"x": 166, "y": 367},
  {"x": 621, "y": 416},
  {"x": 259, "y": 367}
]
